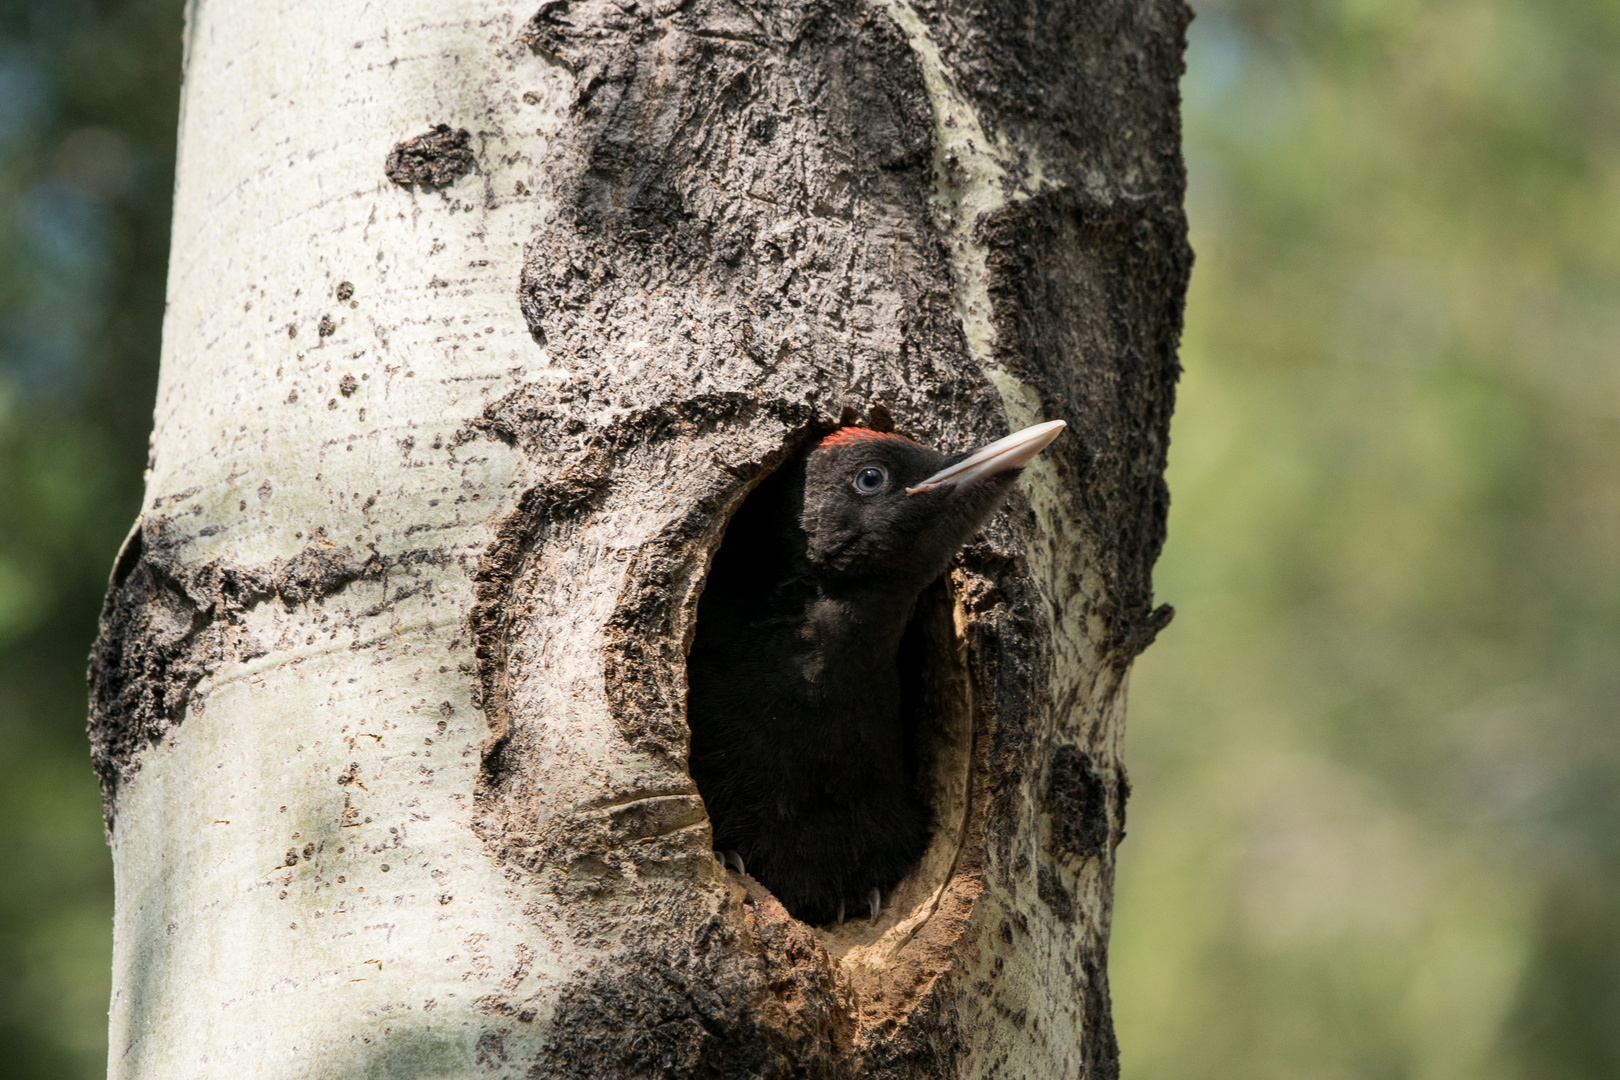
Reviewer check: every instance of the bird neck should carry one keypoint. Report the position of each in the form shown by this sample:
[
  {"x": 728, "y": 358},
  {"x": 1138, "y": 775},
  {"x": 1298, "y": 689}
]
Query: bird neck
[{"x": 864, "y": 619}]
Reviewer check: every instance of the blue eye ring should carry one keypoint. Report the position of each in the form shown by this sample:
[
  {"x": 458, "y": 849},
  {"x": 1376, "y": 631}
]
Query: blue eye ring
[{"x": 871, "y": 479}]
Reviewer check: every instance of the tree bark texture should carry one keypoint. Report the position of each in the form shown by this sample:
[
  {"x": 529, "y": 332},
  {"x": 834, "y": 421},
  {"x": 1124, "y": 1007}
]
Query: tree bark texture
[{"x": 483, "y": 317}]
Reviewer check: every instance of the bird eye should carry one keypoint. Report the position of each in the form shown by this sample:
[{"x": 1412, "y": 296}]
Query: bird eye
[{"x": 870, "y": 480}]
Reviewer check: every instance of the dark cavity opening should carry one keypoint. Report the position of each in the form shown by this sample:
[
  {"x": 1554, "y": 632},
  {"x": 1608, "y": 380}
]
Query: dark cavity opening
[{"x": 936, "y": 713}]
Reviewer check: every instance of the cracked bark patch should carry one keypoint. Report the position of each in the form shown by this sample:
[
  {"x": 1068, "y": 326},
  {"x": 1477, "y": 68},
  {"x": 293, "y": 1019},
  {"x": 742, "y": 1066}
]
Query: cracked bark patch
[
  {"x": 435, "y": 158},
  {"x": 742, "y": 194},
  {"x": 167, "y": 623},
  {"x": 1076, "y": 806},
  {"x": 1087, "y": 301},
  {"x": 740, "y": 993}
]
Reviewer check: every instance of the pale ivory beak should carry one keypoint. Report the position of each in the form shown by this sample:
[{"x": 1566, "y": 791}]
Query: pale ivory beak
[{"x": 1013, "y": 452}]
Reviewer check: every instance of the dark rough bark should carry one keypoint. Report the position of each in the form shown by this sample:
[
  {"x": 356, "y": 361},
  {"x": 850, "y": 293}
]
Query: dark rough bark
[
  {"x": 438, "y": 157},
  {"x": 1092, "y": 87},
  {"x": 1076, "y": 804},
  {"x": 1088, "y": 309}
]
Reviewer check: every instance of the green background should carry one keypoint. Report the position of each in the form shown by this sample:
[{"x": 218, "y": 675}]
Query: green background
[{"x": 1376, "y": 829}]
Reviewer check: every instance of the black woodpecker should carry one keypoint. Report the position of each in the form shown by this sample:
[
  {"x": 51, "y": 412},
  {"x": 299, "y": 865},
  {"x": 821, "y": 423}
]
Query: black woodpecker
[{"x": 798, "y": 745}]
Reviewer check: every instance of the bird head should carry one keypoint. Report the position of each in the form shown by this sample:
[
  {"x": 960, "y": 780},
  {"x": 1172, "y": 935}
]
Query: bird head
[{"x": 880, "y": 505}]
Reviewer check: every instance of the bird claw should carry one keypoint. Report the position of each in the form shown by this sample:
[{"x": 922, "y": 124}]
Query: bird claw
[
  {"x": 874, "y": 904},
  {"x": 731, "y": 859}
]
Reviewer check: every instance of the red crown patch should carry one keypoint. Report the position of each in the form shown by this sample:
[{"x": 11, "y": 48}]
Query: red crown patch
[{"x": 847, "y": 435}]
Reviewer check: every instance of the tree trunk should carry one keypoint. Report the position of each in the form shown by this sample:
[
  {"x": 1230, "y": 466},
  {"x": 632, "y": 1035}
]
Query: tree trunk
[{"x": 388, "y": 699}]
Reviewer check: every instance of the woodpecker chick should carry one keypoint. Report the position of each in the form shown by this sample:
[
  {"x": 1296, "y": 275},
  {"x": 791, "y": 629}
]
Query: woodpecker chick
[{"x": 798, "y": 744}]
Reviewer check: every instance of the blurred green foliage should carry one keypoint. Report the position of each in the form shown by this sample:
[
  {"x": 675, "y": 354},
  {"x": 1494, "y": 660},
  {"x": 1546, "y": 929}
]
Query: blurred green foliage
[
  {"x": 1376, "y": 828},
  {"x": 1376, "y": 831},
  {"x": 88, "y": 98}
]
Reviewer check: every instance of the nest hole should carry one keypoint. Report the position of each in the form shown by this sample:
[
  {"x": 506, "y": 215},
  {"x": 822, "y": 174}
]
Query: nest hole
[{"x": 937, "y": 719}]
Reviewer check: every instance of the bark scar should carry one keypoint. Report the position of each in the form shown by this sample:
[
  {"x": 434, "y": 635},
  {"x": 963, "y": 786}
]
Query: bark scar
[
  {"x": 167, "y": 623},
  {"x": 436, "y": 158}
]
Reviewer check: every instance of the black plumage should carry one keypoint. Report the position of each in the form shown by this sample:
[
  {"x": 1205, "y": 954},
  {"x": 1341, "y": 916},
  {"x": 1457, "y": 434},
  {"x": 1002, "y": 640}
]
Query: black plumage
[{"x": 798, "y": 743}]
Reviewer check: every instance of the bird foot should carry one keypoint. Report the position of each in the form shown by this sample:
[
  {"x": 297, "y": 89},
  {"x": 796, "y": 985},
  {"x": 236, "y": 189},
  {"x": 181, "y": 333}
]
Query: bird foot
[
  {"x": 874, "y": 904},
  {"x": 731, "y": 859}
]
